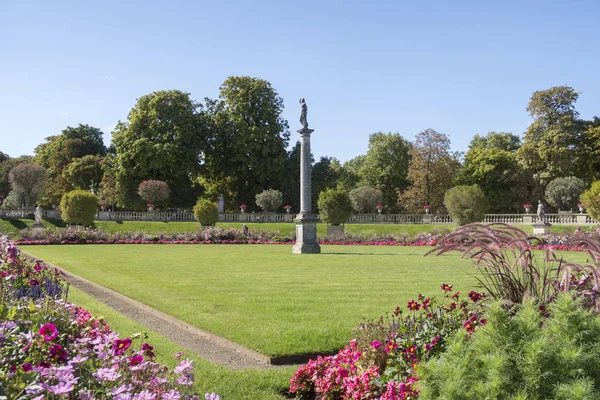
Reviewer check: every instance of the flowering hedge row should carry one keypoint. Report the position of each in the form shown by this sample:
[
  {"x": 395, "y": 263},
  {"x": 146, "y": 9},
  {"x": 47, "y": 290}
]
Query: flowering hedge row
[
  {"x": 380, "y": 363},
  {"x": 50, "y": 348}
]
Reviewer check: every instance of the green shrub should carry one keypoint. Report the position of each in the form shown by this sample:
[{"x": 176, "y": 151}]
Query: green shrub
[
  {"x": 521, "y": 353},
  {"x": 334, "y": 206},
  {"x": 591, "y": 200},
  {"x": 466, "y": 204},
  {"x": 79, "y": 207},
  {"x": 269, "y": 200},
  {"x": 206, "y": 212},
  {"x": 563, "y": 193},
  {"x": 365, "y": 199}
]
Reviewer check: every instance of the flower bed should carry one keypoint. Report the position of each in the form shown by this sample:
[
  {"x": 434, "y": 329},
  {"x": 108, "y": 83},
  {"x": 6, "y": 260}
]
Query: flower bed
[
  {"x": 50, "y": 348},
  {"x": 380, "y": 363}
]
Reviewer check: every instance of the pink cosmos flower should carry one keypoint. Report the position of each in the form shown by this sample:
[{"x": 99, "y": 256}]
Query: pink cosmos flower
[
  {"x": 375, "y": 344},
  {"x": 184, "y": 366},
  {"x": 120, "y": 346},
  {"x": 49, "y": 332}
]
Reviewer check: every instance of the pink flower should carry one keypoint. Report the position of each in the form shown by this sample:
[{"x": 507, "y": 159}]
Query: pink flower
[
  {"x": 375, "y": 344},
  {"x": 120, "y": 346},
  {"x": 49, "y": 332}
]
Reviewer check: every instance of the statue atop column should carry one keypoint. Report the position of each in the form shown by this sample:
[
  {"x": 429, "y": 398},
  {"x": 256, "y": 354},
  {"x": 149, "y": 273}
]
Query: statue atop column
[
  {"x": 540, "y": 212},
  {"x": 303, "y": 113}
]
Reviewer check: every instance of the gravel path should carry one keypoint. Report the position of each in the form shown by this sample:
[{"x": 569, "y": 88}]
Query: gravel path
[{"x": 213, "y": 348}]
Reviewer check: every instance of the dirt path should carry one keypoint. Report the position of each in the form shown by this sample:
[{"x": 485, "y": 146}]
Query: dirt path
[{"x": 213, "y": 348}]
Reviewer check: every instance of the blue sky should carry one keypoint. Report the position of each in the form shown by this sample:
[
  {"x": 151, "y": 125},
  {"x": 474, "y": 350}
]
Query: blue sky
[{"x": 459, "y": 67}]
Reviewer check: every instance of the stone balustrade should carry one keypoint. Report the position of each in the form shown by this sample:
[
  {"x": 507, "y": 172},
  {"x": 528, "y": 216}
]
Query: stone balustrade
[{"x": 511, "y": 219}]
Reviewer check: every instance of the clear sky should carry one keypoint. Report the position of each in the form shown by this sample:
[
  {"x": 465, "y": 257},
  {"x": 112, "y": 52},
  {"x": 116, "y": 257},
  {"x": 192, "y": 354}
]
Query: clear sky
[{"x": 459, "y": 67}]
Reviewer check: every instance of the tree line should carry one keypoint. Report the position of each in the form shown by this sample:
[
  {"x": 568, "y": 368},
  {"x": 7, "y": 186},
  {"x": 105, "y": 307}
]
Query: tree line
[{"x": 236, "y": 146}]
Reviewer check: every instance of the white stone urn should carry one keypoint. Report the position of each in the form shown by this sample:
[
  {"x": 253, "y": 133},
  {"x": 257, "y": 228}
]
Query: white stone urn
[
  {"x": 379, "y": 209},
  {"x": 150, "y": 207},
  {"x": 581, "y": 208},
  {"x": 427, "y": 208}
]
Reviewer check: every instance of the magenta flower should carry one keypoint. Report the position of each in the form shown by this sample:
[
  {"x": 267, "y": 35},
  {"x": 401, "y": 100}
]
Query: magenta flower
[
  {"x": 375, "y": 344},
  {"x": 135, "y": 360},
  {"x": 120, "y": 346},
  {"x": 49, "y": 332},
  {"x": 413, "y": 305}
]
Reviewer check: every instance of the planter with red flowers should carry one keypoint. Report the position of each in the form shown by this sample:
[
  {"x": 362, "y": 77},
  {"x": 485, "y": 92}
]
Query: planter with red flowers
[
  {"x": 527, "y": 208},
  {"x": 427, "y": 208},
  {"x": 243, "y": 208},
  {"x": 287, "y": 208},
  {"x": 379, "y": 208}
]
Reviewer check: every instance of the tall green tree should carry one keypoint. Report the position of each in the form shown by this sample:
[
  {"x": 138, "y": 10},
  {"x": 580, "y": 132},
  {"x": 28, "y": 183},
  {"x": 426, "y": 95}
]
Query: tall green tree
[
  {"x": 491, "y": 164},
  {"x": 324, "y": 175},
  {"x": 385, "y": 166},
  {"x": 163, "y": 138},
  {"x": 552, "y": 146},
  {"x": 84, "y": 173},
  {"x": 248, "y": 137},
  {"x": 431, "y": 171},
  {"x": 349, "y": 176}
]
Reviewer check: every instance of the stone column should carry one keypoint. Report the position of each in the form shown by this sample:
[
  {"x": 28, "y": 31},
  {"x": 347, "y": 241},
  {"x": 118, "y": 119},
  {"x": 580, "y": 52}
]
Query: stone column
[{"x": 306, "y": 221}]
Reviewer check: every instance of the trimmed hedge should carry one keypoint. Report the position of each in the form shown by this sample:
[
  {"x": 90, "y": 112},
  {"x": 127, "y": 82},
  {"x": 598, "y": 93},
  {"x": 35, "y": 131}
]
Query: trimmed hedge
[{"x": 79, "y": 207}]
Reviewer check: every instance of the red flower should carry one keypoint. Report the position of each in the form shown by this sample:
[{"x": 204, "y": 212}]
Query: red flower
[
  {"x": 148, "y": 350},
  {"x": 397, "y": 311},
  {"x": 390, "y": 346},
  {"x": 243, "y": 206},
  {"x": 426, "y": 303},
  {"x": 455, "y": 295},
  {"x": 49, "y": 332},
  {"x": 119, "y": 346},
  {"x": 57, "y": 351},
  {"x": 413, "y": 305},
  {"x": 135, "y": 360},
  {"x": 475, "y": 297},
  {"x": 287, "y": 207},
  {"x": 446, "y": 287}
]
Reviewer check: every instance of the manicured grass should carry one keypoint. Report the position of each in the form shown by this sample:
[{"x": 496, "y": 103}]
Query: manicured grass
[
  {"x": 262, "y": 296},
  {"x": 12, "y": 227},
  {"x": 230, "y": 384}
]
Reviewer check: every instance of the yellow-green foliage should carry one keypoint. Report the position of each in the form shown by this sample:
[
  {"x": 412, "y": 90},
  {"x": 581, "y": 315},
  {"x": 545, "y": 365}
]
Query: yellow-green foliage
[
  {"x": 591, "y": 200},
  {"x": 206, "y": 212},
  {"x": 79, "y": 207}
]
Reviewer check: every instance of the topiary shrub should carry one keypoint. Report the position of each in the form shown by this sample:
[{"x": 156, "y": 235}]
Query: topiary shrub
[
  {"x": 523, "y": 352},
  {"x": 79, "y": 207},
  {"x": 153, "y": 191},
  {"x": 365, "y": 199},
  {"x": 466, "y": 204},
  {"x": 563, "y": 193},
  {"x": 269, "y": 200},
  {"x": 591, "y": 200},
  {"x": 334, "y": 206},
  {"x": 206, "y": 212}
]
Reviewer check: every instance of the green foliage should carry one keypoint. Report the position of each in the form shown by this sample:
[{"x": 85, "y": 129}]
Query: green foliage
[
  {"x": 163, "y": 138},
  {"x": 521, "y": 354},
  {"x": 563, "y": 193},
  {"x": 591, "y": 200},
  {"x": 206, "y": 212},
  {"x": 335, "y": 206},
  {"x": 350, "y": 173},
  {"x": 28, "y": 182},
  {"x": 154, "y": 191},
  {"x": 5, "y": 166},
  {"x": 496, "y": 140},
  {"x": 248, "y": 137},
  {"x": 385, "y": 166},
  {"x": 466, "y": 204},
  {"x": 269, "y": 200},
  {"x": 84, "y": 172},
  {"x": 365, "y": 199},
  {"x": 13, "y": 200},
  {"x": 324, "y": 175},
  {"x": 431, "y": 171},
  {"x": 79, "y": 207}
]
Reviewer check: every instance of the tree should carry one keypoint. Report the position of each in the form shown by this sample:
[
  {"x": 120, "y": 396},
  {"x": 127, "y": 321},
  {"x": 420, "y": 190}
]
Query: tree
[
  {"x": 290, "y": 185},
  {"x": 591, "y": 149},
  {"x": 108, "y": 192},
  {"x": 269, "y": 200},
  {"x": 153, "y": 191},
  {"x": 431, "y": 171},
  {"x": 496, "y": 140},
  {"x": 349, "y": 178},
  {"x": 248, "y": 137},
  {"x": 552, "y": 146},
  {"x": 334, "y": 206},
  {"x": 385, "y": 166},
  {"x": 84, "y": 173},
  {"x": 490, "y": 165},
  {"x": 5, "y": 167},
  {"x": 92, "y": 137},
  {"x": 365, "y": 199},
  {"x": 563, "y": 193},
  {"x": 591, "y": 200},
  {"x": 466, "y": 204},
  {"x": 324, "y": 175},
  {"x": 28, "y": 182},
  {"x": 163, "y": 139}
]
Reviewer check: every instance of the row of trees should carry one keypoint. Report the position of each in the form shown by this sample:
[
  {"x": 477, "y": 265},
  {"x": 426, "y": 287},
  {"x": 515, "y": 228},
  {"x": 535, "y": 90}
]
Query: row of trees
[{"x": 236, "y": 146}]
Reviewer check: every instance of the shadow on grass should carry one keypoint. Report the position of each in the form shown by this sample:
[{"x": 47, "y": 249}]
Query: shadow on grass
[
  {"x": 59, "y": 223},
  {"x": 16, "y": 223},
  {"x": 365, "y": 254}
]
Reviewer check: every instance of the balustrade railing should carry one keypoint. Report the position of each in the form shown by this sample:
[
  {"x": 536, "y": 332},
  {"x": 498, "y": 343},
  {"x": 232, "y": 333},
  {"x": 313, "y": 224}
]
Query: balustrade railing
[{"x": 512, "y": 219}]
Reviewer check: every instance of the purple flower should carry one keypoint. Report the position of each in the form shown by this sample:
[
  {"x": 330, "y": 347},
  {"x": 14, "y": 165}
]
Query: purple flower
[
  {"x": 171, "y": 395},
  {"x": 212, "y": 396},
  {"x": 62, "y": 388},
  {"x": 26, "y": 367},
  {"x": 184, "y": 366},
  {"x": 375, "y": 344},
  {"x": 144, "y": 395},
  {"x": 107, "y": 374}
]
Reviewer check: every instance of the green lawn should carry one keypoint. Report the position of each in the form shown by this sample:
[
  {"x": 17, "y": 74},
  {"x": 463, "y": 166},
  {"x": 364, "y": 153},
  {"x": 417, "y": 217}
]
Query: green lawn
[
  {"x": 262, "y": 296},
  {"x": 13, "y": 226},
  {"x": 230, "y": 384}
]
